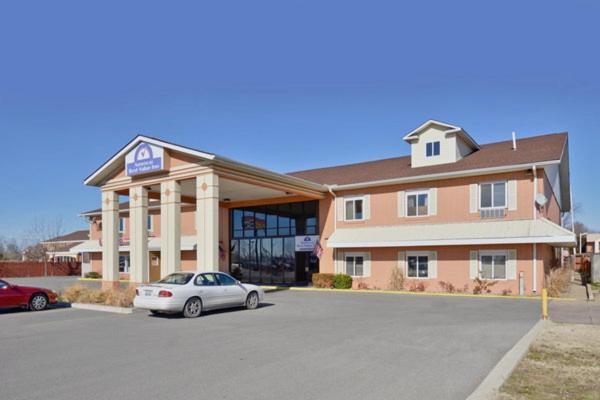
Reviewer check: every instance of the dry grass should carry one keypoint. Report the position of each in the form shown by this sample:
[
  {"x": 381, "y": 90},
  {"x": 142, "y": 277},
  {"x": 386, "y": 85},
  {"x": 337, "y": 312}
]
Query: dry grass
[
  {"x": 558, "y": 281},
  {"x": 396, "y": 280},
  {"x": 109, "y": 297},
  {"x": 563, "y": 363}
]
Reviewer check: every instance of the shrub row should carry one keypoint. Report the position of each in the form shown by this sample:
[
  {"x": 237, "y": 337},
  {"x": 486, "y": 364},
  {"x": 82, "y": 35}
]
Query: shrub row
[
  {"x": 110, "y": 297},
  {"x": 332, "y": 281}
]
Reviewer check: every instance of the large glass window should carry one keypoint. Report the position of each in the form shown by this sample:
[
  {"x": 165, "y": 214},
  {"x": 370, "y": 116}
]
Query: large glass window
[
  {"x": 493, "y": 265},
  {"x": 418, "y": 266},
  {"x": 492, "y": 195}
]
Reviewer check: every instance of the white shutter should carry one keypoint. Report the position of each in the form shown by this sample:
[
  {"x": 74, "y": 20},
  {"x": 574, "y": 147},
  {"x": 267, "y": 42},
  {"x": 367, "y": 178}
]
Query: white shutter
[
  {"x": 340, "y": 268},
  {"x": 402, "y": 263},
  {"x": 340, "y": 208},
  {"x": 432, "y": 264},
  {"x": 367, "y": 206},
  {"x": 401, "y": 200},
  {"x": 473, "y": 198},
  {"x": 511, "y": 265},
  {"x": 512, "y": 195},
  {"x": 367, "y": 265},
  {"x": 473, "y": 264},
  {"x": 432, "y": 201}
]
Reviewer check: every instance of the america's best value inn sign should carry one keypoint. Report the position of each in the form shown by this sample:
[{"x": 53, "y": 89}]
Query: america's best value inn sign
[{"x": 144, "y": 158}]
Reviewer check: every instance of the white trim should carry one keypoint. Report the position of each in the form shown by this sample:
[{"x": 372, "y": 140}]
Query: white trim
[
  {"x": 366, "y": 256},
  {"x": 455, "y": 242},
  {"x": 416, "y": 192},
  {"x": 347, "y": 199},
  {"x": 453, "y": 174},
  {"x": 493, "y": 253},
  {"x": 418, "y": 254},
  {"x": 492, "y": 195},
  {"x": 451, "y": 129}
]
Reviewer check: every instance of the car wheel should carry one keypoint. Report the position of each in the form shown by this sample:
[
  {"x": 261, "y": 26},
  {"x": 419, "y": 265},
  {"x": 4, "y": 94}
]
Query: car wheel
[
  {"x": 38, "y": 302},
  {"x": 192, "y": 308},
  {"x": 252, "y": 301},
  {"x": 154, "y": 312}
]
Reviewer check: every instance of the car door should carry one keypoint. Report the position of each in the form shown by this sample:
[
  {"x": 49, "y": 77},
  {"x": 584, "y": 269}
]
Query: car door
[
  {"x": 234, "y": 293},
  {"x": 9, "y": 295},
  {"x": 209, "y": 290}
]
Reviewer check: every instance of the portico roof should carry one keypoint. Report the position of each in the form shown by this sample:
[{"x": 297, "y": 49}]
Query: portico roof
[{"x": 453, "y": 234}]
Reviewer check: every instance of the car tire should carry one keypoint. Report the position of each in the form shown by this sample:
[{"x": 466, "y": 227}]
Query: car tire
[
  {"x": 192, "y": 308},
  {"x": 38, "y": 302},
  {"x": 154, "y": 312},
  {"x": 252, "y": 301}
]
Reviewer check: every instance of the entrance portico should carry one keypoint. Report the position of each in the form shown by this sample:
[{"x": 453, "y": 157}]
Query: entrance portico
[{"x": 193, "y": 192}]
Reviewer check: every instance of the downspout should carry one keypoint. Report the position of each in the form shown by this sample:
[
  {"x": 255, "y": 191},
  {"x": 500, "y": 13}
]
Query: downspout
[
  {"x": 534, "y": 272},
  {"x": 330, "y": 189}
]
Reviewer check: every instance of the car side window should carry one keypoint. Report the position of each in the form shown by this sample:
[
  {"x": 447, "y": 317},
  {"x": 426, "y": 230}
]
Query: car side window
[
  {"x": 205, "y": 280},
  {"x": 3, "y": 285},
  {"x": 226, "y": 280}
]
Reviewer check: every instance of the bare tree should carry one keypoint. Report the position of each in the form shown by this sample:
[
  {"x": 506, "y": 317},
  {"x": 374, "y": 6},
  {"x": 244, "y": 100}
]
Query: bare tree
[
  {"x": 40, "y": 236},
  {"x": 9, "y": 249}
]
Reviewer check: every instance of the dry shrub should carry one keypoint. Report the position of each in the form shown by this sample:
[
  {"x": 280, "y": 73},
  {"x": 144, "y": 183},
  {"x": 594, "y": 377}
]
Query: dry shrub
[
  {"x": 450, "y": 288},
  {"x": 110, "y": 297},
  {"x": 120, "y": 298},
  {"x": 77, "y": 294},
  {"x": 417, "y": 286},
  {"x": 506, "y": 292},
  {"x": 323, "y": 280},
  {"x": 558, "y": 281},
  {"x": 482, "y": 286},
  {"x": 396, "y": 279},
  {"x": 362, "y": 285}
]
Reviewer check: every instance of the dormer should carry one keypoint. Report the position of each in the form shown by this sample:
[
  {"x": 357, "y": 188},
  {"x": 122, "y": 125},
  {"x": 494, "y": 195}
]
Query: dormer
[{"x": 436, "y": 142}]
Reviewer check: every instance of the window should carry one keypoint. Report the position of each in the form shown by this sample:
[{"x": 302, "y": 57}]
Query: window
[
  {"x": 355, "y": 265},
  {"x": 3, "y": 285},
  {"x": 432, "y": 149},
  {"x": 206, "y": 280},
  {"x": 493, "y": 265},
  {"x": 418, "y": 266},
  {"x": 417, "y": 203},
  {"x": 123, "y": 263},
  {"x": 225, "y": 280},
  {"x": 354, "y": 208},
  {"x": 121, "y": 225},
  {"x": 178, "y": 278},
  {"x": 149, "y": 223},
  {"x": 492, "y": 195}
]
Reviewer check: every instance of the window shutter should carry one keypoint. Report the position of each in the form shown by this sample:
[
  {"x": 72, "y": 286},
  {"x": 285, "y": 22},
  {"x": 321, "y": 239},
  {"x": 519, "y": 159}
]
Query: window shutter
[
  {"x": 340, "y": 208},
  {"x": 432, "y": 201},
  {"x": 474, "y": 264},
  {"x": 432, "y": 267},
  {"x": 512, "y": 195},
  {"x": 367, "y": 265},
  {"x": 367, "y": 206},
  {"x": 511, "y": 265},
  {"x": 473, "y": 197},
  {"x": 401, "y": 200},
  {"x": 402, "y": 262},
  {"x": 340, "y": 268}
]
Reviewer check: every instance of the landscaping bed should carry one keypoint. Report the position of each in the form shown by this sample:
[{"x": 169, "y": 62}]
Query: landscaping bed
[{"x": 107, "y": 297}]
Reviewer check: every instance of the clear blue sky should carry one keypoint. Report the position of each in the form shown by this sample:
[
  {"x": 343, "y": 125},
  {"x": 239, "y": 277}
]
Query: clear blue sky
[{"x": 280, "y": 84}]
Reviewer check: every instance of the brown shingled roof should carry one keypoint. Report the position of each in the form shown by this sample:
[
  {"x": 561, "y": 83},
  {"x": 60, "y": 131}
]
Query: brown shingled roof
[
  {"x": 529, "y": 150},
  {"x": 71, "y": 237}
]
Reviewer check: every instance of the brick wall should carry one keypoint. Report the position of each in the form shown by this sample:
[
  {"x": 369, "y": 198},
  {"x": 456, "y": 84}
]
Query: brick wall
[{"x": 17, "y": 269}]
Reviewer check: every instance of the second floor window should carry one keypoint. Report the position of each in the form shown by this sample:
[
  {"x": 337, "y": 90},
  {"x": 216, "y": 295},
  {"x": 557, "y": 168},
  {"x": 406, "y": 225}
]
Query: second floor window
[
  {"x": 417, "y": 203},
  {"x": 354, "y": 208},
  {"x": 492, "y": 195},
  {"x": 432, "y": 149}
]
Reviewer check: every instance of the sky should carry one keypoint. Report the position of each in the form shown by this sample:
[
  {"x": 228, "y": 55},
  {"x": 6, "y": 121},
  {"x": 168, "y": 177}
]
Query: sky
[{"x": 285, "y": 85}]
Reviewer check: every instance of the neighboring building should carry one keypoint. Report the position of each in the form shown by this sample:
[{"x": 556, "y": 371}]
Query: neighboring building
[
  {"x": 450, "y": 212},
  {"x": 591, "y": 242},
  {"x": 60, "y": 248}
]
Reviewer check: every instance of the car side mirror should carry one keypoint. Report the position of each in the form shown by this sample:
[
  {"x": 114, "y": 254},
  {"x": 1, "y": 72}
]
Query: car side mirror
[{"x": 238, "y": 283}]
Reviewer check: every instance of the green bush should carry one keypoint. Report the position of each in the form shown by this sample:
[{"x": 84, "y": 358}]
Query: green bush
[
  {"x": 323, "y": 280},
  {"x": 92, "y": 275},
  {"x": 342, "y": 281}
]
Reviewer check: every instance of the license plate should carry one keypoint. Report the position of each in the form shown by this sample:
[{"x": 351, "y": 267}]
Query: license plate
[{"x": 147, "y": 292}]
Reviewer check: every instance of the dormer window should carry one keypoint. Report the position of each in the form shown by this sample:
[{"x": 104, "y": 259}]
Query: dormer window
[{"x": 432, "y": 149}]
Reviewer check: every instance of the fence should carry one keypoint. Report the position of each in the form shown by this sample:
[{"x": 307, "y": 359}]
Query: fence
[{"x": 19, "y": 269}]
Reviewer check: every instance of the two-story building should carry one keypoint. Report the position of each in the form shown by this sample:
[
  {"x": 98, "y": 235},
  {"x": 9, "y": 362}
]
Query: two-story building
[{"x": 449, "y": 213}]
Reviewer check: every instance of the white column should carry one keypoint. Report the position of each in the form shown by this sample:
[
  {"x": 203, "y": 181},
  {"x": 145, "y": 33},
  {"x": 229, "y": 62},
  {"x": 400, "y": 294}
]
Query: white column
[
  {"x": 170, "y": 227},
  {"x": 138, "y": 234},
  {"x": 110, "y": 236},
  {"x": 207, "y": 222}
]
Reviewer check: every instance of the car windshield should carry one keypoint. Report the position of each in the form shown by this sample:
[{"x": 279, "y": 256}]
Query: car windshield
[
  {"x": 177, "y": 278},
  {"x": 3, "y": 284}
]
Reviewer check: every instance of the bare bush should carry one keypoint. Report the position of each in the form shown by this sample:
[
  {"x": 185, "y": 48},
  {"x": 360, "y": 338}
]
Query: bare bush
[
  {"x": 482, "y": 286},
  {"x": 396, "y": 279},
  {"x": 109, "y": 297},
  {"x": 558, "y": 281}
]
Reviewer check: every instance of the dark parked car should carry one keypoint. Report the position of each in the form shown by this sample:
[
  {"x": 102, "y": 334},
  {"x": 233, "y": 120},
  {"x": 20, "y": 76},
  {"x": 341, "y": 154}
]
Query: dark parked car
[{"x": 33, "y": 298}]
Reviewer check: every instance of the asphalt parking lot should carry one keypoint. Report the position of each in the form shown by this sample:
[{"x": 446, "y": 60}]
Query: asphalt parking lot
[{"x": 299, "y": 345}]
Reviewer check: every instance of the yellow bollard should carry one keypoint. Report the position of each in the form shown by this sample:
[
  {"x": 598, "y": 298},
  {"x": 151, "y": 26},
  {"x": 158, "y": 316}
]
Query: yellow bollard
[{"x": 544, "y": 304}]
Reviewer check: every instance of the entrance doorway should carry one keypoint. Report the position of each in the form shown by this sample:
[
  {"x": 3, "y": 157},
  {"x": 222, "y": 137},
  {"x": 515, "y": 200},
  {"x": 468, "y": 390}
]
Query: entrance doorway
[
  {"x": 307, "y": 264},
  {"x": 154, "y": 266}
]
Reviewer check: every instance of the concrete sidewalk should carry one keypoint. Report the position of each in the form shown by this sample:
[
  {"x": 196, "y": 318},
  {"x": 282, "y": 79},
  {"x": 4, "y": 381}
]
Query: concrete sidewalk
[{"x": 575, "y": 312}]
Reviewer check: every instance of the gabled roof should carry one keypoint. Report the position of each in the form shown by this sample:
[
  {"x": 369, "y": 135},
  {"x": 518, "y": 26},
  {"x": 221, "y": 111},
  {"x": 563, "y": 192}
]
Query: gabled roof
[
  {"x": 71, "y": 237},
  {"x": 117, "y": 160},
  {"x": 447, "y": 128}
]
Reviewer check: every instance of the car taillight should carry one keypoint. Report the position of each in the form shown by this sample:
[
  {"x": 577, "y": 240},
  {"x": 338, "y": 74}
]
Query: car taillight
[
  {"x": 165, "y": 293},
  {"x": 137, "y": 292}
]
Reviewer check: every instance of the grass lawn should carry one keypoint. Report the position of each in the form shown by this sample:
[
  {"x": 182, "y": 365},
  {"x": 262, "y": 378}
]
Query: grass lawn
[{"x": 562, "y": 363}]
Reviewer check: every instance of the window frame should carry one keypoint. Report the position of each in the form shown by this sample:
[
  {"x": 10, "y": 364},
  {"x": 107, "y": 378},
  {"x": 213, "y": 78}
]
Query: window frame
[
  {"x": 353, "y": 199},
  {"x": 365, "y": 257},
  {"x": 433, "y": 146},
  {"x": 418, "y": 254},
  {"x": 416, "y": 192},
  {"x": 126, "y": 263},
  {"x": 492, "y": 207},
  {"x": 492, "y": 253}
]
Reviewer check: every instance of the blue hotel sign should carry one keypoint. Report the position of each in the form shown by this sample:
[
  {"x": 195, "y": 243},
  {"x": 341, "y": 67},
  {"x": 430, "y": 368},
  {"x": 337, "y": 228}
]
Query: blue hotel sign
[{"x": 144, "y": 158}]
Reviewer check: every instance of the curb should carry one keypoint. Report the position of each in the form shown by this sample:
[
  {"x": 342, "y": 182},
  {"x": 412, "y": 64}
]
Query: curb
[
  {"x": 489, "y": 387},
  {"x": 103, "y": 308},
  {"x": 269, "y": 289}
]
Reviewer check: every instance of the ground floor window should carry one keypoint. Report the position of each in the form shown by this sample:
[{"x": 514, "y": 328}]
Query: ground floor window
[
  {"x": 493, "y": 265},
  {"x": 124, "y": 264},
  {"x": 355, "y": 265},
  {"x": 418, "y": 266}
]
